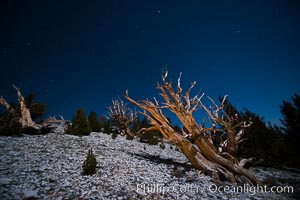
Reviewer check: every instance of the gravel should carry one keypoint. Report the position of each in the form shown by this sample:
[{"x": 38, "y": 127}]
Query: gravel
[{"x": 49, "y": 167}]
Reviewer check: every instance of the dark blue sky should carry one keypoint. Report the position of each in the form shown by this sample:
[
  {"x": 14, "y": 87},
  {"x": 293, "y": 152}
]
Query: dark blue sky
[{"x": 83, "y": 53}]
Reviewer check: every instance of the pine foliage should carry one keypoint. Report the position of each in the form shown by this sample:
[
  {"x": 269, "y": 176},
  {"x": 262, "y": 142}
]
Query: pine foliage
[
  {"x": 104, "y": 124},
  {"x": 90, "y": 163},
  {"x": 291, "y": 127},
  {"x": 80, "y": 125},
  {"x": 94, "y": 123}
]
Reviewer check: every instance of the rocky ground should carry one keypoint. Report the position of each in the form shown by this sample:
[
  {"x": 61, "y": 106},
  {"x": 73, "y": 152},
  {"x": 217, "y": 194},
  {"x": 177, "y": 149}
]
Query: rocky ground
[{"x": 49, "y": 167}]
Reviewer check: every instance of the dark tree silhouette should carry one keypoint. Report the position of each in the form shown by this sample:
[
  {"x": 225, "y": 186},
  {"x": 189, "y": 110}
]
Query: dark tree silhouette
[
  {"x": 152, "y": 137},
  {"x": 291, "y": 115},
  {"x": 104, "y": 124},
  {"x": 291, "y": 127},
  {"x": 37, "y": 109},
  {"x": 80, "y": 125},
  {"x": 261, "y": 140},
  {"x": 94, "y": 123}
]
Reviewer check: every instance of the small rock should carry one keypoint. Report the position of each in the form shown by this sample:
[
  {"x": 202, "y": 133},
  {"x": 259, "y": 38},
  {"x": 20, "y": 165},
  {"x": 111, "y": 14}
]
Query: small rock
[
  {"x": 66, "y": 184},
  {"x": 52, "y": 179},
  {"x": 30, "y": 194},
  {"x": 48, "y": 188},
  {"x": 84, "y": 193},
  {"x": 5, "y": 181},
  {"x": 94, "y": 189}
]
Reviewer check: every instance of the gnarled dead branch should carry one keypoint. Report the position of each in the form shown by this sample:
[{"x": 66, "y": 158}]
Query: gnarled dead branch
[
  {"x": 8, "y": 107},
  {"x": 122, "y": 116},
  {"x": 25, "y": 120},
  {"x": 196, "y": 143}
]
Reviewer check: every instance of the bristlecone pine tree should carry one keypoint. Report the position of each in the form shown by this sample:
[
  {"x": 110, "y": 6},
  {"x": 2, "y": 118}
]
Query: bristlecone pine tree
[
  {"x": 90, "y": 163},
  {"x": 194, "y": 140},
  {"x": 122, "y": 117},
  {"x": 25, "y": 119},
  {"x": 19, "y": 118}
]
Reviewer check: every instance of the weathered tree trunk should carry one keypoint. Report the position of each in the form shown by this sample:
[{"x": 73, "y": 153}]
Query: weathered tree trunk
[
  {"x": 6, "y": 105},
  {"x": 54, "y": 120},
  {"x": 196, "y": 143},
  {"x": 22, "y": 117},
  {"x": 25, "y": 120},
  {"x": 25, "y": 117}
]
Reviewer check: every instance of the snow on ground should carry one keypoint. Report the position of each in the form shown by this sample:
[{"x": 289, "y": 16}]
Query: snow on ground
[{"x": 49, "y": 167}]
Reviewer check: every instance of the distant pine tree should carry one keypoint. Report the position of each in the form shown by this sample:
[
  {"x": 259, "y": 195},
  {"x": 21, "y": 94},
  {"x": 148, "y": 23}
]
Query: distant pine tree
[
  {"x": 104, "y": 124},
  {"x": 94, "y": 123},
  {"x": 150, "y": 137},
  {"x": 291, "y": 122},
  {"x": 80, "y": 125},
  {"x": 261, "y": 139}
]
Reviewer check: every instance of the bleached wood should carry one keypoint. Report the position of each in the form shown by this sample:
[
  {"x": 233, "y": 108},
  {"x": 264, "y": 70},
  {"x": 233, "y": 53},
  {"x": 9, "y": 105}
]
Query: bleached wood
[
  {"x": 202, "y": 153},
  {"x": 8, "y": 107},
  {"x": 122, "y": 116},
  {"x": 25, "y": 120}
]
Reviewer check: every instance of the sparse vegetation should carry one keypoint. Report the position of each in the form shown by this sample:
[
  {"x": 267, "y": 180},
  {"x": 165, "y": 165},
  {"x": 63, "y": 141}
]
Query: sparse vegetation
[
  {"x": 114, "y": 135},
  {"x": 152, "y": 137},
  {"x": 128, "y": 137},
  {"x": 90, "y": 163},
  {"x": 162, "y": 145}
]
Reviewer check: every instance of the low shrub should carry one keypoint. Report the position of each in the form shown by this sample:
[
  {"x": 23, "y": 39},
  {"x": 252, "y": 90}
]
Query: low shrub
[{"x": 90, "y": 163}]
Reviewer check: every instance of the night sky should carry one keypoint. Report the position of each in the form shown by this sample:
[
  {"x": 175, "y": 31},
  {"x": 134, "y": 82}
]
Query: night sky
[{"x": 74, "y": 54}]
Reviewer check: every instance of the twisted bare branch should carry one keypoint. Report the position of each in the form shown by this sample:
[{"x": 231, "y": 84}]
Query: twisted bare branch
[
  {"x": 122, "y": 116},
  {"x": 194, "y": 140}
]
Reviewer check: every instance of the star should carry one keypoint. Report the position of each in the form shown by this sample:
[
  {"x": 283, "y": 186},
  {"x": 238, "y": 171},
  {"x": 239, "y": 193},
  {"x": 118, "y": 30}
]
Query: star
[{"x": 237, "y": 29}]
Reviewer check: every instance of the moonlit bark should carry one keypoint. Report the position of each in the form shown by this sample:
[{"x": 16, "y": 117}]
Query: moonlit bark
[
  {"x": 195, "y": 141},
  {"x": 6, "y": 105},
  {"x": 25, "y": 120},
  {"x": 122, "y": 116}
]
